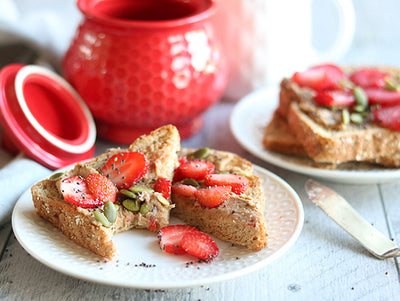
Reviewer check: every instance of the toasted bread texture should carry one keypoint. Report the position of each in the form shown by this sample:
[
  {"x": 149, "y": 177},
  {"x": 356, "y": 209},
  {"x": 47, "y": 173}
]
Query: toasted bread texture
[
  {"x": 354, "y": 143},
  {"x": 80, "y": 225},
  {"x": 240, "y": 218},
  {"x": 278, "y": 137},
  {"x": 301, "y": 128}
]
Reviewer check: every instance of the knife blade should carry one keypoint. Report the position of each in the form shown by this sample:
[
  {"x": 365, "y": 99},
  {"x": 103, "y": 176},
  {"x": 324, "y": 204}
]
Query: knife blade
[{"x": 340, "y": 211}]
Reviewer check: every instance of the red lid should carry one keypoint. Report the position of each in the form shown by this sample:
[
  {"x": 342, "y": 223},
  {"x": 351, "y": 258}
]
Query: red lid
[{"x": 44, "y": 117}]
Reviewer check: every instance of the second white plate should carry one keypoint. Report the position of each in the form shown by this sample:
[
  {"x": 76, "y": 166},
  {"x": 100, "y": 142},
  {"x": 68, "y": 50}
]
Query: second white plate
[{"x": 248, "y": 121}]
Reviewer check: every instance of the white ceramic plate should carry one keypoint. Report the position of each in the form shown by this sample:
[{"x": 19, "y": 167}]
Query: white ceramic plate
[
  {"x": 248, "y": 121},
  {"x": 141, "y": 263}
]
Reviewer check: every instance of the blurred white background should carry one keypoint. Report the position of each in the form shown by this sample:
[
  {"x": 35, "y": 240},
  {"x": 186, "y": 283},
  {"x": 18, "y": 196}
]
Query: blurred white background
[{"x": 50, "y": 25}]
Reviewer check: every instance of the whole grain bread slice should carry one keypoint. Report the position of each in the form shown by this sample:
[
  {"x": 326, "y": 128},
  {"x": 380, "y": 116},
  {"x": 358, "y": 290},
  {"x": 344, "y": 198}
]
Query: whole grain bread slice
[
  {"x": 240, "y": 218},
  {"x": 355, "y": 143},
  {"x": 279, "y": 138},
  {"x": 80, "y": 225}
]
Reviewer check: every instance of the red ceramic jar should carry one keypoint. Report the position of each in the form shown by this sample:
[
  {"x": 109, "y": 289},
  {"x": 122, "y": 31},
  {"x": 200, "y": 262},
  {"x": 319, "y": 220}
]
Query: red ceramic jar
[{"x": 140, "y": 64}]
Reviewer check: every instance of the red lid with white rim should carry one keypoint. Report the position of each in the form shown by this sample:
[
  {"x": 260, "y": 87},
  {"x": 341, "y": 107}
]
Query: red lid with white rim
[{"x": 44, "y": 117}]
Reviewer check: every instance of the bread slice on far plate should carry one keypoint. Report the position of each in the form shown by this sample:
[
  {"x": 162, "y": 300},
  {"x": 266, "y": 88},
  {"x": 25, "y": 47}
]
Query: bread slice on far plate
[
  {"x": 142, "y": 203},
  {"x": 339, "y": 117}
]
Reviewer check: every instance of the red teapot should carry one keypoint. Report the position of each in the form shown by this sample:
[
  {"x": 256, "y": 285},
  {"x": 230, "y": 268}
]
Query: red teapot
[{"x": 140, "y": 64}]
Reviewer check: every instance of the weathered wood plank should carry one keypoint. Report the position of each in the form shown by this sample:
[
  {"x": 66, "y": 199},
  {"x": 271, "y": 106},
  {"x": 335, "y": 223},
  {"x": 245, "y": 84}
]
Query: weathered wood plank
[{"x": 5, "y": 232}]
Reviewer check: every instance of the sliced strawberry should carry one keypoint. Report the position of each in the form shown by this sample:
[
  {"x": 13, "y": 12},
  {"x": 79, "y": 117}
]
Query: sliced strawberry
[
  {"x": 126, "y": 168},
  {"x": 237, "y": 183},
  {"x": 152, "y": 225},
  {"x": 335, "y": 98},
  {"x": 170, "y": 238},
  {"x": 200, "y": 245},
  {"x": 319, "y": 78},
  {"x": 182, "y": 160},
  {"x": 388, "y": 116},
  {"x": 196, "y": 169},
  {"x": 185, "y": 190},
  {"x": 382, "y": 96},
  {"x": 75, "y": 191},
  {"x": 163, "y": 186},
  {"x": 212, "y": 196},
  {"x": 101, "y": 188},
  {"x": 177, "y": 173},
  {"x": 368, "y": 78}
]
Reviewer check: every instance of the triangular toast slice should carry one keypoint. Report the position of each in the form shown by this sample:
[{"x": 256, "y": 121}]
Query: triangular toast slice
[
  {"x": 79, "y": 224},
  {"x": 240, "y": 218}
]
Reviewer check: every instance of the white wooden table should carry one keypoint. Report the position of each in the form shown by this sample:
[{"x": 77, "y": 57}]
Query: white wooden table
[{"x": 324, "y": 264}]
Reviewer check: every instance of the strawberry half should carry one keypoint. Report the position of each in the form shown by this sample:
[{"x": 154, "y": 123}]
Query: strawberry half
[
  {"x": 101, "y": 188},
  {"x": 163, "y": 186},
  {"x": 238, "y": 183},
  {"x": 320, "y": 78},
  {"x": 185, "y": 190},
  {"x": 369, "y": 78},
  {"x": 170, "y": 238},
  {"x": 75, "y": 191},
  {"x": 212, "y": 196},
  {"x": 388, "y": 116},
  {"x": 200, "y": 245},
  {"x": 335, "y": 99},
  {"x": 382, "y": 96},
  {"x": 126, "y": 168},
  {"x": 196, "y": 169}
]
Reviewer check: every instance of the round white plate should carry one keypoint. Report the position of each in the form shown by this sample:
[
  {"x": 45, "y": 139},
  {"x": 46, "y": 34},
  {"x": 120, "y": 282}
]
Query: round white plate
[
  {"x": 142, "y": 264},
  {"x": 248, "y": 121}
]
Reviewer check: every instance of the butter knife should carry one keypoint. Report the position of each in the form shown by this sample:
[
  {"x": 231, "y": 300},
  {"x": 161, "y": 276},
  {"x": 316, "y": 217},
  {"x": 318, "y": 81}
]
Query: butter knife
[{"x": 339, "y": 210}]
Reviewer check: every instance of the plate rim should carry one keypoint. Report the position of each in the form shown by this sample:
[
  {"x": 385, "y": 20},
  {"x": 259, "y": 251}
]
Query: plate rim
[
  {"x": 23, "y": 201},
  {"x": 271, "y": 94}
]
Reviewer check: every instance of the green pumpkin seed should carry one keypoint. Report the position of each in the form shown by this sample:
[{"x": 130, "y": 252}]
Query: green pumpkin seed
[
  {"x": 162, "y": 199},
  {"x": 201, "y": 153},
  {"x": 56, "y": 176},
  {"x": 102, "y": 218},
  {"x": 346, "y": 83},
  {"x": 110, "y": 212},
  {"x": 360, "y": 96},
  {"x": 390, "y": 85},
  {"x": 145, "y": 208},
  {"x": 138, "y": 189},
  {"x": 191, "y": 182},
  {"x": 128, "y": 193},
  {"x": 131, "y": 205},
  {"x": 359, "y": 108},
  {"x": 116, "y": 207},
  {"x": 356, "y": 118},
  {"x": 242, "y": 173},
  {"x": 345, "y": 116}
]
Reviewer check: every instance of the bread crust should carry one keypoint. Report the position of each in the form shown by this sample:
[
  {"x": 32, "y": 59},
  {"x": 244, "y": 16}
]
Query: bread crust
[{"x": 279, "y": 138}]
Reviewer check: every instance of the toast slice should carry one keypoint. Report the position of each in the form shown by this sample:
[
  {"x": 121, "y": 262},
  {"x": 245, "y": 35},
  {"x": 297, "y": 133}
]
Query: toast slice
[
  {"x": 353, "y": 143},
  {"x": 80, "y": 225},
  {"x": 279, "y": 138},
  {"x": 240, "y": 218},
  {"x": 300, "y": 125}
]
